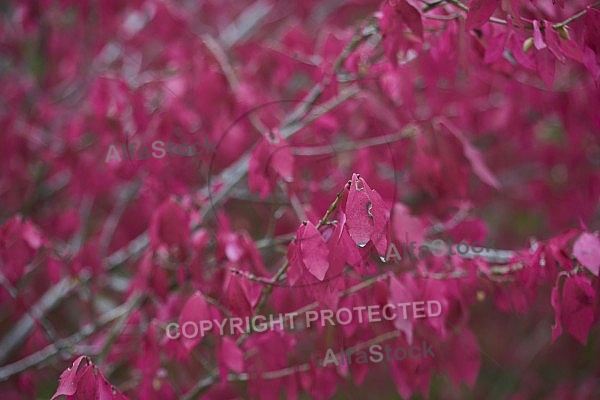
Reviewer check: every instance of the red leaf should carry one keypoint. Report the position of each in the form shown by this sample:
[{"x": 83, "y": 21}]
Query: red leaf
[
  {"x": 495, "y": 49},
  {"x": 545, "y": 65},
  {"x": 270, "y": 161},
  {"x": 106, "y": 391},
  {"x": 406, "y": 226},
  {"x": 19, "y": 242},
  {"x": 380, "y": 234},
  {"x": 479, "y": 167},
  {"x": 358, "y": 206},
  {"x": 475, "y": 158},
  {"x": 410, "y": 16},
  {"x": 538, "y": 38},
  {"x": 587, "y": 251},
  {"x": 345, "y": 247},
  {"x": 67, "y": 386},
  {"x": 553, "y": 41},
  {"x": 232, "y": 356},
  {"x": 194, "y": 311},
  {"x": 170, "y": 225},
  {"x": 366, "y": 215},
  {"x": 578, "y": 300},
  {"x": 257, "y": 178},
  {"x": 242, "y": 294},
  {"x": 480, "y": 12},
  {"x": 85, "y": 383},
  {"x": 315, "y": 253}
]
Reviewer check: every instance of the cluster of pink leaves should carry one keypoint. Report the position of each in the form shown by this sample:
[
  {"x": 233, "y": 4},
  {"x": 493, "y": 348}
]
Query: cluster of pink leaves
[{"x": 486, "y": 106}]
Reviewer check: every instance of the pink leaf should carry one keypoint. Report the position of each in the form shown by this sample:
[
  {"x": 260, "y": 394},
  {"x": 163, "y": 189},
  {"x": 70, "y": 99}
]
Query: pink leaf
[
  {"x": 257, "y": 178},
  {"x": 236, "y": 296},
  {"x": 269, "y": 161},
  {"x": 314, "y": 251},
  {"x": 366, "y": 215},
  {"x": 406, "y": 226},
  {"x": 282, "y": 162},
  {"x": 86, "y": 382},
  {"x": 538, "y": 38},
  {"x": 578, "y": 307},
  {"x": 67, "y": 384},
  {"x": 587, "y": 251},
  {"x": 380, "y": 234},
  {"x": 232, "y": 355},
  {"x": 479, "y": 167},
  {"x": 475, "y": 158},
  {"x": 480, "y": 12},
  {"x": 410, "y": 16},
  {"x": 358, "y": 206},
  {"x": 545, "y": 65},
  {"x": 169, "y": 225},
  {"x": 553, "y": 40},
  {"x": 194, "y": 311}
]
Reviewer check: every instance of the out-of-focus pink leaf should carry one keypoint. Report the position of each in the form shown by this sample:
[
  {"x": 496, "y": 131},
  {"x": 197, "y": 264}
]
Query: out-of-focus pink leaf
[
  {"x": 170, "y": 225},
  {"x": 410, "y": 16},
  {"x": 480, "y": 12},
  {"x": 538, "y": 37},
  {"x": 232, "y": 355},
  {"x": 587, "y": 251},
  {"x": 194, "y": 311}
]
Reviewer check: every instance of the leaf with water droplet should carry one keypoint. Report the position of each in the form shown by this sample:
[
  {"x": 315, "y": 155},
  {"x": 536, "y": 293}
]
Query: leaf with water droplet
[{"x": 366, "y": 215}]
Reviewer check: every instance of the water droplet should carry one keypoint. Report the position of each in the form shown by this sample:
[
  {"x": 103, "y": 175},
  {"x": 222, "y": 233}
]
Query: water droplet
[
  {"x": 362, "y": 244},
  {"x": 382, "y": 258}
]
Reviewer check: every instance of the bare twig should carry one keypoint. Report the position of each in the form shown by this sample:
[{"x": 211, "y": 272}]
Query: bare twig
[
  {"x": 68, "y": 344},
  {"x": 244, "y": 24},
  {"x": 135, "y": 300},
  {"x": 19, "y": 333},
  {"x": 125, "y": 196}
]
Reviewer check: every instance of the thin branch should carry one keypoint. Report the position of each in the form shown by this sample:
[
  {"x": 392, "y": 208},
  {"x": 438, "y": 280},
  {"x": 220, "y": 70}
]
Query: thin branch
[
  {"x": 19, "y": 333},
  {"x": 371, "y": 142},
  {"x": 219, "y": 53},
  {"x": 457, "y": 218},
  {"x": 125, "y": 197},
  {"x": 69, "y": 343},
  {"x": 280, "y": 373},
  {"x": 574, "y": 17},
  {"x": 117, "y": 328},
  {"x": 245, "y": 23}
]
